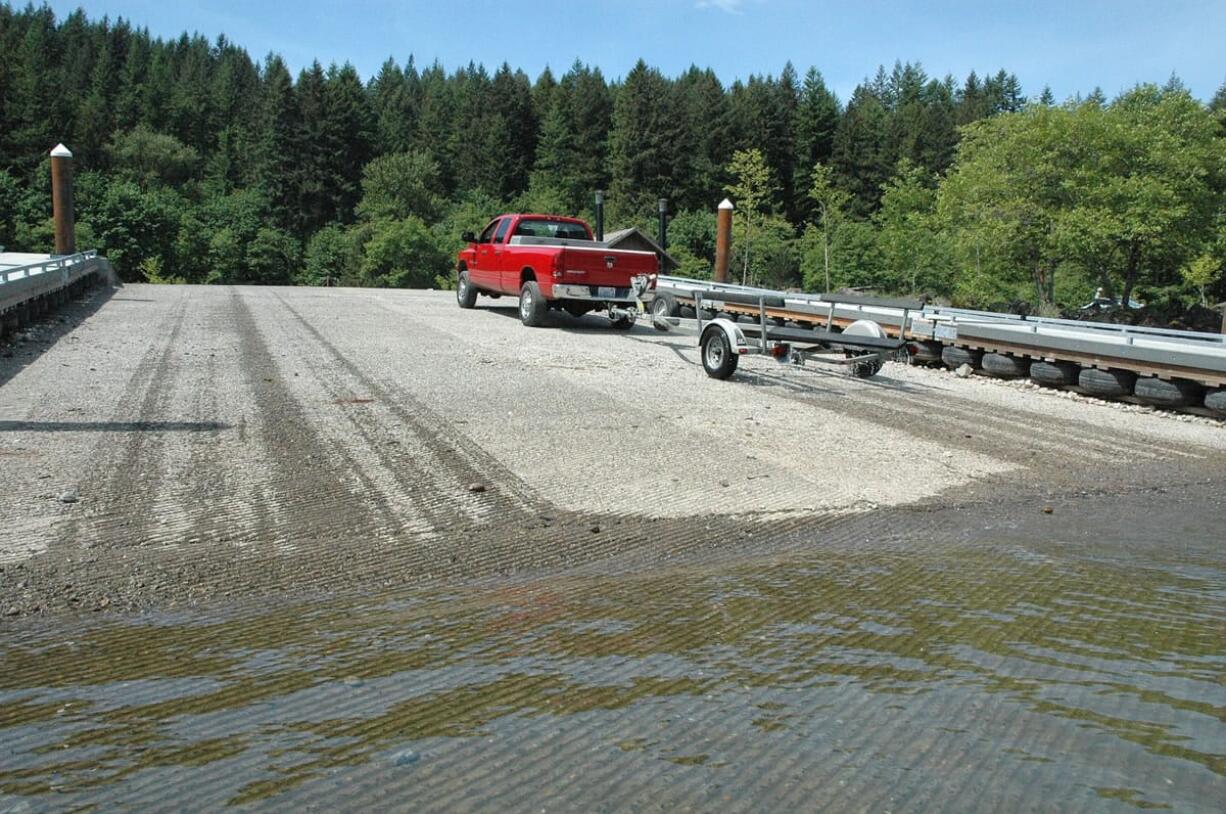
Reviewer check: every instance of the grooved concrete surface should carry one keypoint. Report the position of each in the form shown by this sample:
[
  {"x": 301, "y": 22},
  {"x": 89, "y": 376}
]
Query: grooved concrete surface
[{"x": 243, "y": 556}]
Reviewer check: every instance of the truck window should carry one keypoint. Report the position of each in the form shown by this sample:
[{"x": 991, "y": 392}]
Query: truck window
[
  {"x": 488, "y": 232},
  {"x": 539, "y": 227},
  {"x": 502, "y": 230}
]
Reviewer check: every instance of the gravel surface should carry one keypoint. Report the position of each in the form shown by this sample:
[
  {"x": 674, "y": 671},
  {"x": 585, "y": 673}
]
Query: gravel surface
[{"x": 163, "y": 445}]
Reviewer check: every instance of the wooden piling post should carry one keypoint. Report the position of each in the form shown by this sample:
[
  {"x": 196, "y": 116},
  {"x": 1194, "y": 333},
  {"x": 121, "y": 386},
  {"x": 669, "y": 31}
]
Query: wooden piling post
[
  {"x": 723, "y": 240},
  {"x": 61, "y": 200}
]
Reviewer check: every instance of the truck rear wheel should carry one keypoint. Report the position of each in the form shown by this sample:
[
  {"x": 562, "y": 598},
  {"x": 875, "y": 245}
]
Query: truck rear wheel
[
  {"x": 465, "y": 294},
  {"x": 664, "y": 305},
  {"x": 717, "y": 357},
  {"x": 532, "y": 305}
]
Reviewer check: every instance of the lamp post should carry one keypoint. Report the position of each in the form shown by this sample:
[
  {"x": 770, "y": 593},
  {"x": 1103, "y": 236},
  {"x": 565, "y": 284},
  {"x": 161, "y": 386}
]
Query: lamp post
[
  {"x": 663, "y": 210},
  {"x": 600, "y": 214}
]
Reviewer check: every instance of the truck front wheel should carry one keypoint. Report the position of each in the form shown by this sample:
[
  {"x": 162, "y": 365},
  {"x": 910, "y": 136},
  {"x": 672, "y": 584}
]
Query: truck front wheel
[
  {"x": 532, "y": 305},
  {"x": 465, "y": 294}
]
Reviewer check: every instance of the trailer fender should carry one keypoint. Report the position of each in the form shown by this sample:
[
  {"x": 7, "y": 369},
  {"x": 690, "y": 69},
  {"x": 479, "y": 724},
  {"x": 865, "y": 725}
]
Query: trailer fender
[{"x": 736, "y": 339}]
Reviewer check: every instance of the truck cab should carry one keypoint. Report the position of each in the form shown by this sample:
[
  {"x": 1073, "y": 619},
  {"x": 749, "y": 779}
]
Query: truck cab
[{"x": 552, "y": 262}]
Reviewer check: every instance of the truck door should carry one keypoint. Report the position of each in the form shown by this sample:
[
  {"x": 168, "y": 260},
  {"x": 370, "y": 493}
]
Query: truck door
[
  {"x": 504, "y": 258},
  {"x": 484, "y": 272}
]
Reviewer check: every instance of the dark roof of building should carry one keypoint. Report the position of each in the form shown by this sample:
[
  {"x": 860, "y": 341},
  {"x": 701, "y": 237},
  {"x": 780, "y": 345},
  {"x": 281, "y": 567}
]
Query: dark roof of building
[{"x": 611, "y": 240}]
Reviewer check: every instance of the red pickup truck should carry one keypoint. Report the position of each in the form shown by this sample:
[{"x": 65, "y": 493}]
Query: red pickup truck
[{"x": 551, "y": 261}]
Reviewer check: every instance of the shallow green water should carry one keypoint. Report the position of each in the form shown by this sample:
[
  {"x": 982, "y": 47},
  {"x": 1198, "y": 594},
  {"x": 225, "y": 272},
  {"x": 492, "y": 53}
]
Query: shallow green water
[{"x": 938, "y": 677}]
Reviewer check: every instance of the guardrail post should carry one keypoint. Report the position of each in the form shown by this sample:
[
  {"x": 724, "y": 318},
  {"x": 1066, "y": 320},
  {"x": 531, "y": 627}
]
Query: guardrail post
[
  {"x": 723, "y": 239},
  {"x": 61, "y": 200}
]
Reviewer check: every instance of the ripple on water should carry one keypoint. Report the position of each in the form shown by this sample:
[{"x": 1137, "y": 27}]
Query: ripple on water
[{"x": 960, "y": 678}]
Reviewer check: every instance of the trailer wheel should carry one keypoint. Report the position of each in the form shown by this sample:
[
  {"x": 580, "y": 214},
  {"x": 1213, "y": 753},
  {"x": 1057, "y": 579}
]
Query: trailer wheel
[
  {"x": 1173, "y": 393},
  {"x": 1106, "y": 383},
  {"x": 1054, "y": 374},
  {"x": 1216, "y": 400},
  {"x": 955, "y": 357},
  {"x": 465, "y": 294},
  {"x": 532, "y": 305},
  {"x": 717, "y": 357},
  {"x": 1005, "y": 367},
  {"x": 664, "y": 305},
  {"x": 868, "y": 369}
]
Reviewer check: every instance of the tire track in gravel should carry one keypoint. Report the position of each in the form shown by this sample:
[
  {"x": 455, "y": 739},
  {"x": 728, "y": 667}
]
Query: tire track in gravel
[
  {"x": 308, "y": 499},
  {"x": 128, "y": 466},
  {"x": 410, "y": 480},
  {"x": 451, "y": 452}
]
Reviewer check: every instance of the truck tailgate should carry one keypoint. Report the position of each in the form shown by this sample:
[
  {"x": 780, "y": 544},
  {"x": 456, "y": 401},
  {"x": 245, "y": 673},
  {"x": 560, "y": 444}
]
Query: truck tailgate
[{"x": 605, "y": 267}]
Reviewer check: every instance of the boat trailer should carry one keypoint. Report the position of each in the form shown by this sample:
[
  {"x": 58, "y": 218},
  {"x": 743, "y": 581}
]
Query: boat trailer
[{"x": 860, "y": 349}]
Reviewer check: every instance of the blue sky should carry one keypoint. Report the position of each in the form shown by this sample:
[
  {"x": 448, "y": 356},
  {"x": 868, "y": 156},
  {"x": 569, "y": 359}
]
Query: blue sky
[{"x": 1071, "y": 46}]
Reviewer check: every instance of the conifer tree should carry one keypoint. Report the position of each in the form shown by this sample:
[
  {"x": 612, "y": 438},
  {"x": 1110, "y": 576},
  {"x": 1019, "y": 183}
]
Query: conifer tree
[{"x": 817, "y": 119}]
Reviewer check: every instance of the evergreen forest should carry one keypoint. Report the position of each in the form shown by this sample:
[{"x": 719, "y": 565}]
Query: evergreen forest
[{"x": 196, "y": 162}]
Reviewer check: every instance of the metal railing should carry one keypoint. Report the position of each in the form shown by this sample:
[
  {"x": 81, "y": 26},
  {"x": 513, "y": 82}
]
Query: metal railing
[{"x": 17, "y": 272}]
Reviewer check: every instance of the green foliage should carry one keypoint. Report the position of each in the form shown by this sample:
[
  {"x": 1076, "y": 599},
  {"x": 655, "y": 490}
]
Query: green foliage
[
  {"x": 1126, "y": 193},
  {"x": 401, "y": 184},
  {"x": 403, "y": 254},
  {"x": 331, "y": 257},
  {"x": 648, "y": 143},
  {"x": 752, "y": 190},
  {"x": 1201, "y": 273},
  {"x": 831, "y": 208},
  {"x": 914, "y": 250},
  {"x": 147, "y": 156},
  {"x": 151, "y": 272},
  {"x": 10, "y": 197},
  {"x": 134, "y": 225},
  {"x": 273, "y": 258}
]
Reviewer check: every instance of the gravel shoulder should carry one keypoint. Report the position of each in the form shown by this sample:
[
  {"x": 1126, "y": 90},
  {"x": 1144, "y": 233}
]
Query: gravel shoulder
[{"x": 181, "y": 444}]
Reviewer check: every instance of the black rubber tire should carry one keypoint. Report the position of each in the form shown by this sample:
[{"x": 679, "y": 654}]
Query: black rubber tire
[
  {"x": 926, "y": 353},
  {"x": 1106, "y": 383},
  {"x": 955, "y": 357},
  {"x": 1173, "y": 393},
  {"x": 664, "y": 305},
  {"x": 1216, "y": 400},
  {"x": 1054, "y": 374},
  {"x": 866, "y": 370},
  {"x": 717, "y": 357},
  {"x": 728, "y": 315},
  {"x": 533, "y": 307},
  {"x": 686, "y": 312},
  {"x": 778, "y": 322},
  {"x": 1003, "y": 366},
  {"x": 465, "y": 294}
]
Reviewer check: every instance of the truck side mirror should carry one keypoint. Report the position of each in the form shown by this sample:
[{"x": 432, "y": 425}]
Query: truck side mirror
[{"x": 468, "y": 237}]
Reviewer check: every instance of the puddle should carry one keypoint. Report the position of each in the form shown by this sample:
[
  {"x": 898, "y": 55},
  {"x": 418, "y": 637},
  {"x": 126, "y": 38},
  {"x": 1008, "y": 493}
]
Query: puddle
[{"x": 953, "y": 678}]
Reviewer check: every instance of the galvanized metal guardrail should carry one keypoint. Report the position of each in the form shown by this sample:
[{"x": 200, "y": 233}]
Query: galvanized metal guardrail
[
  {"x": 21, "y": 282},
  {"x": 12, "y": 272}
]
